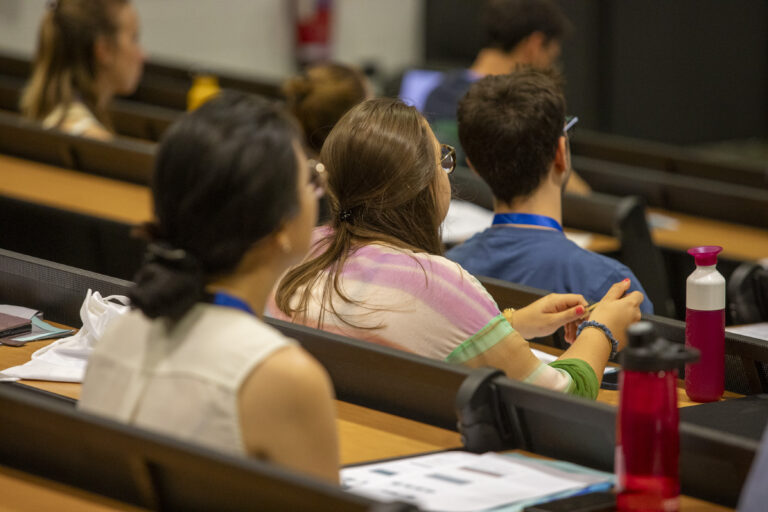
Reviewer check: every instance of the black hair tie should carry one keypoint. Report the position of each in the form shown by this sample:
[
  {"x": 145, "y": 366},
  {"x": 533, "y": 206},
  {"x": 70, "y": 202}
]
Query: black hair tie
[
  {"x": 169, "y": 256},
  {"x": 346, "y": 216}
]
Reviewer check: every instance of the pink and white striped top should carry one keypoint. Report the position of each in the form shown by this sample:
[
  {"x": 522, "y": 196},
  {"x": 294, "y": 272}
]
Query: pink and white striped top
[{"x": 421, "y": 303}]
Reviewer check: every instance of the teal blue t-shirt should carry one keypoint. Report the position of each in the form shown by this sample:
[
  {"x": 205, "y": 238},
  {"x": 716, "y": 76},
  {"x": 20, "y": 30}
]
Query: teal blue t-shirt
[{"x": 543, "y": 259}]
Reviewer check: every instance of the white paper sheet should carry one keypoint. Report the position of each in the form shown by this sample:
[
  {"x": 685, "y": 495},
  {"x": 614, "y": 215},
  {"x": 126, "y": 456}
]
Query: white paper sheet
[
  {"x": 18, "y": 311},
  {"x": 581, "y": 239},
  {"x": 459, "y": 481},
  {"x": 464, "y": 219},
  {"x": 759, "y": 331}
]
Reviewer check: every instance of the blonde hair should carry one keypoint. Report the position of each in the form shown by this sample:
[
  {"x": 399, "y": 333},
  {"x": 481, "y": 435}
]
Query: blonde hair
[
  {"x": 319, "y": 97},
  {"x": 64, "y": 68}
]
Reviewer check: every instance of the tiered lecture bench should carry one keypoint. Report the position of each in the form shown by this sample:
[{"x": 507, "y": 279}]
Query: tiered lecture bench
[
  {"x": 364, "y": 435},
  {"x": 127, "y": 202}
]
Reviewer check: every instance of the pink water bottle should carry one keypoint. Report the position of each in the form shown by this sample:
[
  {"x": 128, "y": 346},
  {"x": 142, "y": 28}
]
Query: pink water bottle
[
  {"x": 705, "y": 326},
  {"x": 647, "y": 440}
]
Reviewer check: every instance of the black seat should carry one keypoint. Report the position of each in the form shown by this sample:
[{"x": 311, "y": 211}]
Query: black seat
[
  {"x": 624, "y": 219},
  {"x": 685, "y": 194},
  {"x": 150, "y": 470},
  {"x": 748, "y": 294},
  {"x": 121, "y": 158},
  {"x": 71, "y": 238}
]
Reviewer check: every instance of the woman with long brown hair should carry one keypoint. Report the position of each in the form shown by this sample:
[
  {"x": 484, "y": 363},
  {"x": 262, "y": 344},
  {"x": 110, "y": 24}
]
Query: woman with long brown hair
[
  {"x": 376, "y": 272},
  {"x": 88, "y": 52}
]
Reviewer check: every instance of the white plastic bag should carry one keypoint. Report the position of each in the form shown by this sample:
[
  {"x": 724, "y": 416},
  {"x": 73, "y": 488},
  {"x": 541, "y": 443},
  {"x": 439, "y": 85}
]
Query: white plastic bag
[{"x": 64, "y": 360}]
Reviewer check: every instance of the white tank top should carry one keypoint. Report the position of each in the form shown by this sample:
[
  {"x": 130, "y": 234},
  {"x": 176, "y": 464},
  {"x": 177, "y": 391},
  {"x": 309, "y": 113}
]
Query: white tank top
[
  {"x": 75, "y": 119},
  {"x": 182, "y": 382}
]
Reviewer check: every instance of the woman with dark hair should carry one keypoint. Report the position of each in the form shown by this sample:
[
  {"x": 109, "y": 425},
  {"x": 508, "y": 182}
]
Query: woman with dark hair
[
  {"x": 235, "y": 204},
  {"x": 88, "y": 52},
  {"x": 376, "y": 272}
]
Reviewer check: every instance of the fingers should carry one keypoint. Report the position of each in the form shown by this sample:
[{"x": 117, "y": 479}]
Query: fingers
[
  {"x": 570, "y": 332},
  {"x": 564, "y": 301},
  {"x": 635, "y": 298},
  {"x": 570, "y": 315},
  {"x": 616, "y": 291}
]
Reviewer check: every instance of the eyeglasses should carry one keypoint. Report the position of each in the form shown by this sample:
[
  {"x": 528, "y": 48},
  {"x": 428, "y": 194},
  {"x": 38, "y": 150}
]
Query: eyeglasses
[
  {"x": 570, "y": 122},
  {"x": 447, "y": 158},
  {"x": 317, "y": 176}
]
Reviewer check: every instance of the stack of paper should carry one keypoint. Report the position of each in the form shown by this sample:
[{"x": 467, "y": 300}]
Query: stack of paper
[{"x": 458, "y": 481}]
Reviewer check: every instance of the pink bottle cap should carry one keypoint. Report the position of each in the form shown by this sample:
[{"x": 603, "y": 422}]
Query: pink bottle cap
[{"x": 706, "y": 255}]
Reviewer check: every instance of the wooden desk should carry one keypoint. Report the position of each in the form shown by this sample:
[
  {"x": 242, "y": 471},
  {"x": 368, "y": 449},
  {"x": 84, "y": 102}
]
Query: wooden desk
[
  {"x": 22, "y": 492},
  {"x": 73, "y": 190},
  {"x": 739, "y": 242},
  {"x": 131, "y": 203},
  {"x": 364, "y": 435}
]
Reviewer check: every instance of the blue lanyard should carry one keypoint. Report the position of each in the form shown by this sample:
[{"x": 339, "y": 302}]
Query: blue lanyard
[
  {"x": 226, "y": 300},
  {"x": 527, "y": 219}
]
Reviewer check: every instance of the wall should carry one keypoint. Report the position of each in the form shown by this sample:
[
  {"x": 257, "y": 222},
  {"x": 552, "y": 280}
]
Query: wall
[{"x": 253, "y": 37}]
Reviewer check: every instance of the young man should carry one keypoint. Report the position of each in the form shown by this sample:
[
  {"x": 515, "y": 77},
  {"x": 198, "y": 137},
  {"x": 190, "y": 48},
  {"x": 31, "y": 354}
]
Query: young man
[
  {"x": 517, "y": 32},
  {"x": 512, "y": 129}
]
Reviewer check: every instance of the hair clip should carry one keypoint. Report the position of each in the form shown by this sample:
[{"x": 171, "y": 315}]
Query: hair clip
[{"x": 346, "y": 216}]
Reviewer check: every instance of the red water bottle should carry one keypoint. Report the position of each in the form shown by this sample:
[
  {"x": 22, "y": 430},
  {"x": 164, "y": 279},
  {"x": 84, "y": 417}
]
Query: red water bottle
[
  {"x": 705, "y": 326},
  {"x": 647, "y": 441}
]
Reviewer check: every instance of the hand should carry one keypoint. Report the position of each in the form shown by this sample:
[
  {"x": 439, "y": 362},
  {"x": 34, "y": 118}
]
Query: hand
[
  {"x": 546, "y": 315},
  {"x": 618, "y": 312}
]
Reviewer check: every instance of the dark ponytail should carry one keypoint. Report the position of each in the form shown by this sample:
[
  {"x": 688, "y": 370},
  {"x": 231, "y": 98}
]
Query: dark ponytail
[{"x": 225, "y": 177}]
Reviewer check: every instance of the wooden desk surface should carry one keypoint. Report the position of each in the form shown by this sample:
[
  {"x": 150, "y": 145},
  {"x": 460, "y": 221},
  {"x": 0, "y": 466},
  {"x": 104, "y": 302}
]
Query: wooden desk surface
[
  {"x": 739, "y": 242},
  {"x": 73, "y": 190},
  {"x": 131, "y": 203},
  {"x": 364, "y": 435}
]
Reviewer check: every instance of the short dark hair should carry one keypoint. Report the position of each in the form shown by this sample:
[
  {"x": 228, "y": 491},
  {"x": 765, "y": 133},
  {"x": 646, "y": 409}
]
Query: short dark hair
[
  {"x": 507, "y": 22},
  {"x": 225, "y": 177},
  {"x": 509, "y": 127}
]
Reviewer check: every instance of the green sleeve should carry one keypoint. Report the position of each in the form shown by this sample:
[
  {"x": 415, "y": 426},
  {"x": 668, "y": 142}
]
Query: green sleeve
[
  {"x": 493, "y": 332},
  {"x": 584, "y": 381}
]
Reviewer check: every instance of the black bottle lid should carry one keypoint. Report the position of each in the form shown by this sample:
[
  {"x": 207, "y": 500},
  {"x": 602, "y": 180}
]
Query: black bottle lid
[{"x": 646, "y": 352}]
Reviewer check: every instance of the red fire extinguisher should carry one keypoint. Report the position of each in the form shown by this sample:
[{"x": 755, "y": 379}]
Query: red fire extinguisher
[{"x": 313, "y": 30}]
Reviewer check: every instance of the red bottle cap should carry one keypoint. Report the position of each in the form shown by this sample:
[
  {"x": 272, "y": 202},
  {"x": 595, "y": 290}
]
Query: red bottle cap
[{"x": 706, "y": 255}]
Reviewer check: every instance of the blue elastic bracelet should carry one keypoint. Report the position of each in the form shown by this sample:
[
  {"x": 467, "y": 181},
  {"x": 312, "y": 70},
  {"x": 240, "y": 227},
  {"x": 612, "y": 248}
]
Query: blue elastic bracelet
[{"x": 606, "y": 331}]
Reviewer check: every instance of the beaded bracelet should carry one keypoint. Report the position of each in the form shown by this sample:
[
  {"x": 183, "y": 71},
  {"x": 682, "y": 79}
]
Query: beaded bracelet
[{"x": 606, "y": 331}]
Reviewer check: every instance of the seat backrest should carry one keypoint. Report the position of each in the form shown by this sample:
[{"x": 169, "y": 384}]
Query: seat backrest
[
  {"x": 625, "y": 219},
  {"x": 26, "y": 139},
  {"x": 139, "y": 120},
  {"x": 55, "y": 289},
  {"x": 666, "y": 157},
  {"x": 83, "y": 241},
  {"x": 10, "y": 93},
  {"x": 468, "y": 186},
  {"x": 146, "y": 469},
  {"x": 120, "y": 159},
  {"x": 383, "y": 378},
  {"x": 685, "y": 194},
  {"x": 748, "y": 294}
]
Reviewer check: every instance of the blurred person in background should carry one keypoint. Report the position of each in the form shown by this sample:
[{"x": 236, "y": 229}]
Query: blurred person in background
[{"x": 88, "y": 52}]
